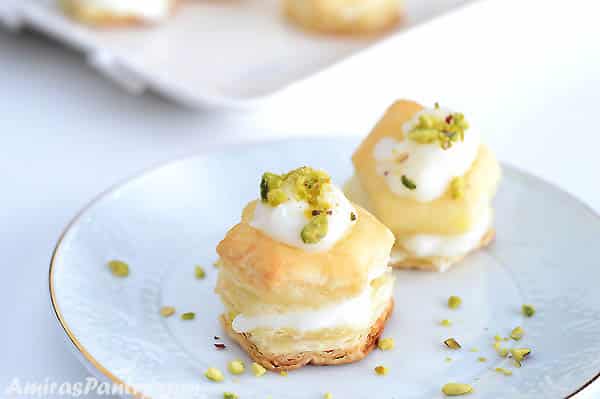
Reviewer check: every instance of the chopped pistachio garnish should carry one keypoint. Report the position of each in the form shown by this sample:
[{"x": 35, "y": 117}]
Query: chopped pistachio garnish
[
  {"x": 188, "y": 316},
  {"x": 482, "y": 359},
  {"x": 352, "y": 216},
  {"x": 501, "y": 351},
  {"x": 328, "y": 395},
  {"x": 474, "y": 350},
  {"x": 381, "y": 370},
  {"x": 217, "y": 263},
  {"x": 408, "y": 183},
  {"x": 517, "y": 333},
  {"x": 315, "y": 230},
  {"x": 503, "y": 371},
  {"x": 214, "y": 374},
  {"x": 199, "y": 272},
  {"x": 236, "y": 367},
  {"x": 455, "y": 389},
  {"x": 528, "y": 310},
  {"x": 457, "y": 187},
  {"x": 283, "y": 373},
  {"x": 452, "y": 343},
  {"x": 519, "y": 354},
  {"x": 386, "y": 344},
  {"x": 454, "y": 302},
  {"x": 448, "y": 359},
  {"x": 167, "y": 311},
  {"x": 258, "y": 370},
  {"x": 446, "y": 323},
  {"x": 445, "y": 131},
  {"x": 118, "y": 268},
  {"x": 229, "y": 395}
]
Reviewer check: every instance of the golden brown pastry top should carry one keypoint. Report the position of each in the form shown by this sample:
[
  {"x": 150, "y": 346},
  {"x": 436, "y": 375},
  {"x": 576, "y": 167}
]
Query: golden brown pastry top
[{"x": 278, "y": 273}]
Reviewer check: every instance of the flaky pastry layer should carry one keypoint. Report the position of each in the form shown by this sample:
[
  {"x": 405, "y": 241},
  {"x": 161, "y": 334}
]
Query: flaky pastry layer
[
  {"x": 355, "y": 349},
  {"x": 277, "y": 273},
  {"x": 90, "y": 16},
  {"x": 344, "y": 16}
]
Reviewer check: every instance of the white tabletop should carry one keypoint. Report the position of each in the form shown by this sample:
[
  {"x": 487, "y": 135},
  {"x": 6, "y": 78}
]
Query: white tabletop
[{"x": 527, "y": 75}]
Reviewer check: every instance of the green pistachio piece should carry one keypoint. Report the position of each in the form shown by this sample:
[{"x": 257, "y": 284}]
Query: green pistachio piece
[
  {"x": 457, "y": 187},
  {"x": 118, "y": 268},
  {"x": 229, "y": 395},
  {"x": 188, "y": 316},
  {"x": 519, "y": 354},
  {"x": 269, "y": 182},
  {"x": 454, "y": 302},
  {"x": 315, "y": 230},
  {"x": 214, "y": 374},
  {"x": 408, "y": 183},
  {"x": 423, "y": 135},
  {"x": 452, "y": 343},
  {"x": 517, "y": 333},
  {"x": 528, "y": 310},
  {"x": 199, "y": 272},
  {"x": 276, "y": 197},
  {"x": 455, "y": 389}
]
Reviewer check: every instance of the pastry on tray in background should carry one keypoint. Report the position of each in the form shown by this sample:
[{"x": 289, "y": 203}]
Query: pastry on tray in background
[
  {"x": 118, "y": 12},
  {"x": 425, "y": 174},
  {"x": 344, "y": 16},
  {"x": 304, "y": 276}
]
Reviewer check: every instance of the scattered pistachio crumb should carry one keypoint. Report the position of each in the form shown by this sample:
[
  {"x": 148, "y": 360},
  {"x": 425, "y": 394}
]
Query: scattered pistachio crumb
[
  {"x": 482, "y": 359},
  {"x": 199, "y": 272},
  {"x": 328, "y": 395},
  {"x": 452, "y": 343},
  {"x": 505, "y": 339},
  {"x": 258, "y": 370},
  {"x": 474, "y": 350},
  {"x": 503, "y": 371},
  {"x": 167, "y": 311},
  {"x": 457, "y": 187},
  {"x": 528, "y": 310},
  {"x": 216, "y": 263},
  {"x": 236, "y": 367},
  {"x": 454, "y": 302},
  {"x": 381, "y": 370},
  {"x": 446, "y": 323},
  {"x": 188, "y": 316},
  {"x": 283, "y": 373},
  {"x": 517, "y": 333},
  {"x": 214, "y": 374},
  {"x": 386, "y": 344},
  {"x": 408, "y": 183},
  {"x": 519, "y": 354},
  {"x": 501, "y": 351},
  {"x": 456, "y": 389},
  {"x": 229, "y": 395},
  {"x": 118, "y": 268},
  {"x": 448, "y": 359},
  {"x": 497, "y": 338},
  {"x": 352, "y": 216}
]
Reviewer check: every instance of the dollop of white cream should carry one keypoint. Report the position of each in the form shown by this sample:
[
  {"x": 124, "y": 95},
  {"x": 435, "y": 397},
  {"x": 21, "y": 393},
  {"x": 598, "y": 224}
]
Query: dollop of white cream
[
  {"x": 427, "y": 245},
  {"x": 285, "y": 222},
  {"x": 152, "y": 10},
  {"x": 356, "y": 312},
  {"x": 429, "y": 166}
]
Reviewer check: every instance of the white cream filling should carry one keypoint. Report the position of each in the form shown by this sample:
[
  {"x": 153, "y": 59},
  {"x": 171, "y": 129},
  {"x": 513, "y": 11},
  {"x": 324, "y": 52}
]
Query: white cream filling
[
  {"x": 356, "y": 313},
  {"x": 427, "y": 245},
  {"x": 285, "y": 222},
  {"x": 430, "y": 167},
  {"x": 153, "y": 10}
]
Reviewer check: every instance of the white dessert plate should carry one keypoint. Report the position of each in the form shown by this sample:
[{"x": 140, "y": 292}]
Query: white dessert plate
[
  {"x": 170, "y": 219},
  {"x": 211, "y": 52}
]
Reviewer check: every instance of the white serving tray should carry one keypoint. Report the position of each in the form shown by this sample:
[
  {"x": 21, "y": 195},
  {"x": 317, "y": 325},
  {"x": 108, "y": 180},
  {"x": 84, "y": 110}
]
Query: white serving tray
[{"x": 212, "y": 52}]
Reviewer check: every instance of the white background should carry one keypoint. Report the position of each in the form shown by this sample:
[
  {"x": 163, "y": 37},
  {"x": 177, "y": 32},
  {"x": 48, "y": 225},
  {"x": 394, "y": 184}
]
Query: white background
[{"x": 526, "y": 73}]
